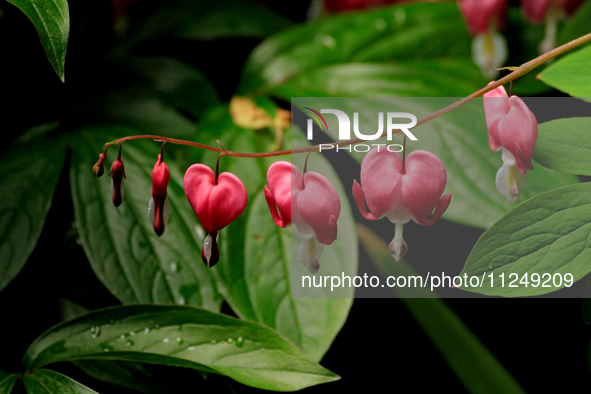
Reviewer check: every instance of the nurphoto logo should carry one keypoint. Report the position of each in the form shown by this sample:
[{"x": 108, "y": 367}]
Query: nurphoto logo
[{"x": 345, "y": 129}]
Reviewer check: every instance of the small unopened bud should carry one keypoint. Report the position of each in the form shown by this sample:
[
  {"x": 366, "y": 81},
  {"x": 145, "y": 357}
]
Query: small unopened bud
[
  {"x": 117, "y": 174},
  {"x": 210, "y": 254},
  {"x": 98, "y": 169},
  {"x": 158, "y": 210}
]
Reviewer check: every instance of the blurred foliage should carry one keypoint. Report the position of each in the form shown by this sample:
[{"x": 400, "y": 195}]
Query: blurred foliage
[{"x": 170, "y": 68}]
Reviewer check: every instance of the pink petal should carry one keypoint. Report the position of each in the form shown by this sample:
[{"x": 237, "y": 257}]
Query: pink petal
[
  {"x": 496, "y": 105},
  {"x": 423, "y": 185},
  {"x": 518, "y": 132},
  {"x": 380, "y": 180},
  {"x": 285, "y": 180},
  {"x": 319, "y": 206},
  {"x": 218, "y": 205}
]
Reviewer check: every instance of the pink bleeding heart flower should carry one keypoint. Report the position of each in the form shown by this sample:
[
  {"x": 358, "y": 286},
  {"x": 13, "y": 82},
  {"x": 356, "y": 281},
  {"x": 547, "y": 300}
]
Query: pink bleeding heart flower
[
  {"x": 158, "y": 209},
  {"x": 484, "y": 18},
  {"x": 117, "y": 173},
  {"x": 217, "y": 201},
  {"x": 401, "y": 191},
  {"x": 550, "y": 12},
  {"x": 513, "y": 128},
  {"x": 309, "y": 201}
]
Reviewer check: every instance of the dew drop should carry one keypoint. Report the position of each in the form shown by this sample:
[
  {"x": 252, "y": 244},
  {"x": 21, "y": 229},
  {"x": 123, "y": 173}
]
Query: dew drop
[
  {"x": 230, "y": 340},
  {"x": 326, "y": 39},
  {"x": 192, "y": 347},
  {"x": 122, "y": 337},
  {"x": 165, "y": 340},
  {"x": 213, "y": 341},
  {"x": 132, "y": 333},
  {"x": 147, "y": 330},
  {"x": 381, "y": 24},
  {"x": 180, "y": 341},
  {"x": 130, "y": 343},
  {"x": 239, "y": 342},
  {"x": 182, "y": 301},
  {"x": 173, "y": 267}
]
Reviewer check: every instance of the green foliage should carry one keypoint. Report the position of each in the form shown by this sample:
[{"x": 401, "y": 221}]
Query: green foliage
[
  {"x": 205, "y": 20},
  {"x": 564, "y": 145},
  {"x": 181, "y": 336},
  {"x": 45, "y": 381},
  {"x": 29, "y": 174},
  {"x": 7, "y": 382},
  {"x": 571, "y": 74},
  {"x": 52, "y": 21},
  {"x": 545, "y": 235},
  {"x": 417, "y": 31}
]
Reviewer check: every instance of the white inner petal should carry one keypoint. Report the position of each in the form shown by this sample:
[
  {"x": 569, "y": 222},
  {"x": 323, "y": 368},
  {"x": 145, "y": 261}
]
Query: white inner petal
[{"x": 309, "y": 254}]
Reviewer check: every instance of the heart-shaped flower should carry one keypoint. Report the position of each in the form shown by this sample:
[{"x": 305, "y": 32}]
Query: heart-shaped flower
[
  {"x": 309, "y": 201},
  {"x": 217, "y": 201},
  {"x": 513, "y": 128},
  {"x": 401, "y": 191}
]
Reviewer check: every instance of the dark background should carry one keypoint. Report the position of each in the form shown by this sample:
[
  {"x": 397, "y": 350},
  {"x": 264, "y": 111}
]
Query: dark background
[{"x": 542, "y": 342}]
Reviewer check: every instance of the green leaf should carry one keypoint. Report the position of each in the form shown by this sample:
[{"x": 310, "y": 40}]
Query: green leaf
[
  {"x": 272, "y": 267},
  {"x": 122, "y": 373},
  {"x": 576, "y": 25},
  {"x": 454, "y": 78},
  {"x": 545, "y": 235},
  {"x": 45, "y": 381},
  {"x": 408, "y": 31},
  {"x": 140, "y": 109},
  {"x": 28, "y": 174},
  {"x": 123, "y": 249},
  {"x": 459, "y": 139},
  {"x": 126, "y": 374},
  {"x": 475, "y": 366},
  {"x": 564, "y": 145},
  {"x": 571, "y": 74},
  {"x": 7, "y": 382},
  {"x": 253, "y": 246},
  {"x": 177, "y": 84},
  {"x": 206, "y": 20},
  {"x": 181, "y": 336},
  {"x": 52, "y": 21}
]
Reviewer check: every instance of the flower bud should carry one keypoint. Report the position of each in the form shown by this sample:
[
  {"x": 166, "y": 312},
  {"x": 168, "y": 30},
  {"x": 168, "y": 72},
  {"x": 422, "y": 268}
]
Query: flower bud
[
  {"x": 401, "y": 192},
  {"x": 98, "y": 169},
  {"x": 217, "y": 203},
  {"x": 117, "y": 174},
  {"x": 310, "y": 201},
  {"x": 513, "y": 128},
  {"x": 159, "y": 210}
]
